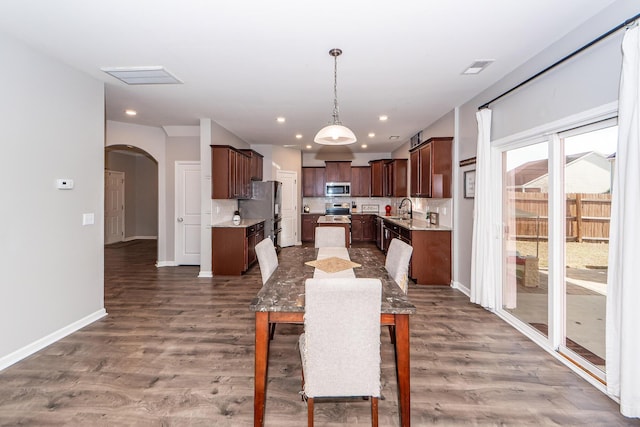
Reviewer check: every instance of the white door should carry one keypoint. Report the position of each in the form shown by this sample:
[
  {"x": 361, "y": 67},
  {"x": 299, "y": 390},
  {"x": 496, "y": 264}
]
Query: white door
[
  {"x": 187, "y": 213},
  {"x": 113, "y": 207},
  {"x": 289, "y": 207}
]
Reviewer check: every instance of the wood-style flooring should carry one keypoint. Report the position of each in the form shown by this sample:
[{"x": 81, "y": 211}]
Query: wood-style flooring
[{"x": 177, "y": 350}]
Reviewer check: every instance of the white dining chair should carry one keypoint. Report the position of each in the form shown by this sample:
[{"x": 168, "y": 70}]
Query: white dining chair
[
  {"x": 397, "y": 263},
  {"x": 330, "y": 236},
  {"x": 267, "y": 258},
  {"x": 340, "y": 356},
  {"x": 268, "y": 262}
]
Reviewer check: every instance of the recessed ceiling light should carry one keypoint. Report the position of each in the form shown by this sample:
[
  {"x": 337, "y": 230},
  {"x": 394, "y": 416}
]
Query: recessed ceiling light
[
  {"x": 371, "y": 134},
  {"x": 154, "y": 75},
  {"x": 299, "y": 136},
  {"x": 130, "y": 112},
  {"x": 308, "y": 146},
  {"x": 364, "y": 146},
  {"x": 383, "y": 118},
  {"x": 393, "y": 137},
  {"x": 477, "y": 66},
  {"x": 281, "y": 119}
]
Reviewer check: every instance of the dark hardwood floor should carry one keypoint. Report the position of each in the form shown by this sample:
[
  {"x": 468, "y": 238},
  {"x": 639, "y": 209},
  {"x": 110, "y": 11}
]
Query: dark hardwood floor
[{"x": 178, "y": 350}]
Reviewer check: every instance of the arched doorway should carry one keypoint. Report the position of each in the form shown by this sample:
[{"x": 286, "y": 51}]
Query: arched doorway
[{"x": 139, "y": 171}]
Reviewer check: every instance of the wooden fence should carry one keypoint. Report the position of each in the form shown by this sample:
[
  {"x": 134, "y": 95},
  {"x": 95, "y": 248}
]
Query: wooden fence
[{"x": 588, "y": 216}]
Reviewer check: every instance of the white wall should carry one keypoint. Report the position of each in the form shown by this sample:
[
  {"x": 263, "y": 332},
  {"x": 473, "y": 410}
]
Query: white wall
[{"x": 52, "y": 267}]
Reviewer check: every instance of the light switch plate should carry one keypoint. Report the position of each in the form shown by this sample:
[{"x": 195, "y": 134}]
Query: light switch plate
[{"x": 88, "y": 219}]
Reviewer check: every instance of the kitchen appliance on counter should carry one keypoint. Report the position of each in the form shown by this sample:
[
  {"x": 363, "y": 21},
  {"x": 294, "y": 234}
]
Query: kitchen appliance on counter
[{"x": 265, "y": 204}]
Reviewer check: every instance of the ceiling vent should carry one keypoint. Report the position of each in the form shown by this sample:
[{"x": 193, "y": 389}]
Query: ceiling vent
[
  {"x": 478, "y": 66},
  {"x": 155, "y": 75}
]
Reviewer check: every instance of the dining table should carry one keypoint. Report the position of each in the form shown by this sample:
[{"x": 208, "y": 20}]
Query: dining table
[{"x": 281, "y": 300}]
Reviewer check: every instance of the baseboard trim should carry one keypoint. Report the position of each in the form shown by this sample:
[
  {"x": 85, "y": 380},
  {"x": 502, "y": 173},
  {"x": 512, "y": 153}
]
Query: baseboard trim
[
  {"x": 205, "y": 274},
  {"x": 459, "y": 286},
  {"x": 128, "y": 239},
  {"x": 166, "y": 264},
  {"x": 43, "y": 342}
]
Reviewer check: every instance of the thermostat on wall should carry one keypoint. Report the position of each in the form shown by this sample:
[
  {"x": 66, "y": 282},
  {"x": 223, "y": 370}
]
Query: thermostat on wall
[{"x": 64, "y": 184}]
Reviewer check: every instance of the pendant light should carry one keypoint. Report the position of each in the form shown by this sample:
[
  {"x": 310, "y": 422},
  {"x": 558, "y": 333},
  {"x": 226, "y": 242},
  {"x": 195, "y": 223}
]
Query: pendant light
[{"x": 335, "y": 134}]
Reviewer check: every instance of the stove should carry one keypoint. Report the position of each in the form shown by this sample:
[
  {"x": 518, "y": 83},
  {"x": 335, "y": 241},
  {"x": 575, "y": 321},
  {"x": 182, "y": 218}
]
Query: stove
[{"x": 337, "y": 209}]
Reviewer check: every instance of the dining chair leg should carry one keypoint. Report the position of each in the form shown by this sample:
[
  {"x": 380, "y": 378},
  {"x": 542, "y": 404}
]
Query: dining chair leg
[
  {"x": 392, "y": 333},
  {"x": 374, "y": 411},
  {"x": 272, "y": 330},
  {"x": 310, "y": 412}
]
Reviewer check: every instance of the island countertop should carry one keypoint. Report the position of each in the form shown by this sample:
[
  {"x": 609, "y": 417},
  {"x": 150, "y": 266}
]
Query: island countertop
[{"x": 334, "y": 219}]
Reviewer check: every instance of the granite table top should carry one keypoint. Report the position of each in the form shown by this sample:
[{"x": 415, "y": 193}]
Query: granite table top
[{"x": 284, "y": 291}]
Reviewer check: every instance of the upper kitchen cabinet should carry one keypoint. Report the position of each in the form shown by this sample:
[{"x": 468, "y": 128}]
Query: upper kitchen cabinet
[
  {"x": 361, "y": 181},
  {"x": 377, "y": 177},
  {"x": 431, "y": 168},
  {"x": 256, "y": 160},
  {"x": 395, "y": 173},
  {"x": 230, "y": 173},
  {"x": 338, "y": 171},
  {"x": 313, "y": 180}
]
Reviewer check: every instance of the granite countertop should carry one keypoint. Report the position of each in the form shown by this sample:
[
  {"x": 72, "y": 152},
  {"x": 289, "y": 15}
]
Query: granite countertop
[
  {"x": 284, "y": 291},
  {"x": 415, "y": 224},
  {"x": 334, "y": 219},
  {"x": 244, "y": 223}
]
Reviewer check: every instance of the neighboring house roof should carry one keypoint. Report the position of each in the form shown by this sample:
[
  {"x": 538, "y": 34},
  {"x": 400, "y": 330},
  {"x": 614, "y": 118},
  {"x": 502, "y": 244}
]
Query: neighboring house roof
[{"x": 533, "y": 174}]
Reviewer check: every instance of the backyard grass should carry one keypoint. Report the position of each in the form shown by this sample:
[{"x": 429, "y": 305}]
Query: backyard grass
[{"x": 578, "y": 255}]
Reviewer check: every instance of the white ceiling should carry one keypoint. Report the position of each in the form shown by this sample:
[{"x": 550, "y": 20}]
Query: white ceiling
[{"x": 244, "y": 63}]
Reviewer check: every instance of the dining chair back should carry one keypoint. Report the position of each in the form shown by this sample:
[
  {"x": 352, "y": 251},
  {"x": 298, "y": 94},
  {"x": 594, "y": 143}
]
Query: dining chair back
[
  {"x": 267, "y": 258},
  {"x": 340, "y": 356},
  {"x": 397, "y": 262},
  {"x": 330, "y": 236}
]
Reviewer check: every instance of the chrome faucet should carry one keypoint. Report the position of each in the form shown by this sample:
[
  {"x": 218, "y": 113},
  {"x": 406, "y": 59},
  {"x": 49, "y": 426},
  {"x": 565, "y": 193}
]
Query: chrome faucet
[{"x": 410, "y": 205}]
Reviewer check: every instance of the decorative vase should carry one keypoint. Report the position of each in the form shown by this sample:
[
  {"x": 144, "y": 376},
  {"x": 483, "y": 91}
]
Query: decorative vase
[{"x": 236, "y": 218}]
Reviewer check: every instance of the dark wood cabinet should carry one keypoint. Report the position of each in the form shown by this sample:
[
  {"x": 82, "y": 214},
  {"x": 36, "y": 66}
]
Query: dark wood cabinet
[
  {"x": 309, "y": 222},
  {"x": 255, "y": 165},
  {"x": 233, "y": 249},
  {"x": 431, "y": 168},
  {"x": 230, "y": 173},
  {"x": 431, "y": 258},
  {"x": 395, "y": 174},
  {"x": 360, "y": 181},
  {"x": 338, "y": 171},
  {"x": 313, "y": 180},
  {"x": 377, "y": 177},
  {"x": 363, "y": 227}
]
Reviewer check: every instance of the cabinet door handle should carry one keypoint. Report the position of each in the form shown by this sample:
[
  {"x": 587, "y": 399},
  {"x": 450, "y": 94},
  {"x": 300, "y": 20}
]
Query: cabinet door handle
[{"x": 180, "y": 219}]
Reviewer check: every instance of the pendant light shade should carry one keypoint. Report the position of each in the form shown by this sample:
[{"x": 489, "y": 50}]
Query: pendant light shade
[{"x": 335, "y": 133}]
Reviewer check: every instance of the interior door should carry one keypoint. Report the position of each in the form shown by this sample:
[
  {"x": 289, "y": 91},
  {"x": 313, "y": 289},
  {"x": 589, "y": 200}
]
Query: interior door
[
  {"x": 113, "y": 206},
  {"x": 289, "y": 207},
  {"x": 187, "y": 213}
]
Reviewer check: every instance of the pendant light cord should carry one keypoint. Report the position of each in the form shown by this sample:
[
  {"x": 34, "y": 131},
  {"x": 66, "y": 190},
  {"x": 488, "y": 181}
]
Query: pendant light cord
[{"x": 336, "y": 117}]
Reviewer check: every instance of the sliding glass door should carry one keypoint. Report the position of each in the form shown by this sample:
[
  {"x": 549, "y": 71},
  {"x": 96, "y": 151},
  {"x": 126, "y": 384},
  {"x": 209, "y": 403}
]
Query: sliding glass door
[{"x": 556, "y": 211}]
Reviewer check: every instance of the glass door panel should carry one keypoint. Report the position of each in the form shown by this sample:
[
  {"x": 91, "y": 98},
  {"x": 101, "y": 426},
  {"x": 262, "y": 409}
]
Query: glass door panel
[
  {"x": 589, "y": 158},
  {"x": 525, "y": 196}
]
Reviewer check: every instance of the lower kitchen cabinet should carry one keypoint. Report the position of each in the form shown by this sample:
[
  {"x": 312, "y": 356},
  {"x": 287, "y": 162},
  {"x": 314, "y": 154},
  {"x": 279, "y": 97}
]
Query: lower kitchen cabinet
[
  {"x": 431, "y": 258},
  {"x": 363, "y": 228},
  {"x": 309, "y": 222},
  {"x": 233, "y": 248}
]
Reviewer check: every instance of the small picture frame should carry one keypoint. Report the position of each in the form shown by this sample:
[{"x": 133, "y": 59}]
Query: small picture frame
[{"x": 470, "y": 184}]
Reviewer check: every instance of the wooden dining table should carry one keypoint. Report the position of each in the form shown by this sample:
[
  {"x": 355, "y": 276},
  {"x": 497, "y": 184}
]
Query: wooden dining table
[{"x": 281, "y": 300}]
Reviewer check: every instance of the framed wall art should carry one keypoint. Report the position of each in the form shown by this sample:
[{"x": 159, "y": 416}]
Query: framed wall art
[{"x": 470, "y": 184}]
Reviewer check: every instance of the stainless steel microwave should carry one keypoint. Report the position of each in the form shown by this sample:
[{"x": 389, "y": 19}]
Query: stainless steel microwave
[{"x": 333, "y": 189}]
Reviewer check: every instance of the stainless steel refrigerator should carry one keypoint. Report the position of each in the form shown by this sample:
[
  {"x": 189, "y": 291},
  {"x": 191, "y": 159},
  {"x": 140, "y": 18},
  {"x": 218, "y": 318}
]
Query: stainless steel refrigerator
[{"x": 265, "y": 203}]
